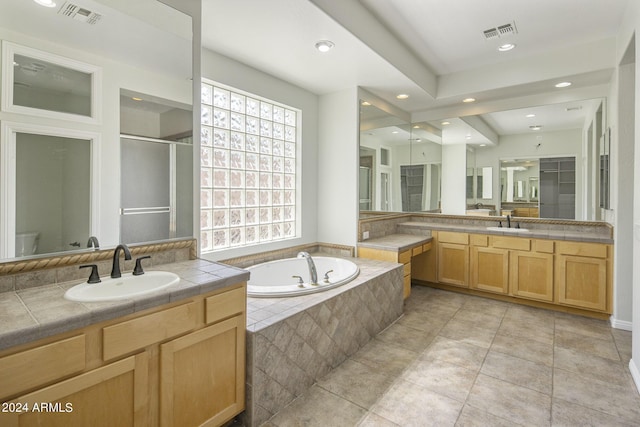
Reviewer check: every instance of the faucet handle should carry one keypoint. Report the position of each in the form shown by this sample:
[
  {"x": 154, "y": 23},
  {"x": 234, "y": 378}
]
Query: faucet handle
[
  {"x": 326, "y": 276},
  {"x": 300, "y": 281},
  {"x": 94, "y": 277},
  {"x": 137, "y": 270}
]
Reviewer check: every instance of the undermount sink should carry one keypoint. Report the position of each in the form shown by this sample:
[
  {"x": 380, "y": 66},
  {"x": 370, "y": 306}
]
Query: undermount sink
[
  {"x": 508, "y": 230},
  {"x": 122, "y": 288}
]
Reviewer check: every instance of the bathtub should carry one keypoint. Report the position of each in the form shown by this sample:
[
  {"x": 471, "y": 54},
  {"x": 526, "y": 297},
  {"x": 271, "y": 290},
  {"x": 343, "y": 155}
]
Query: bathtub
[{"x": 275, "y": 278}]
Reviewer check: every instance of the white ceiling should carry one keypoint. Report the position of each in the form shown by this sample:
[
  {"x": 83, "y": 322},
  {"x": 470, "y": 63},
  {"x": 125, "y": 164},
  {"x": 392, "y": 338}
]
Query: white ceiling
[{"x": 435, "y": 39}]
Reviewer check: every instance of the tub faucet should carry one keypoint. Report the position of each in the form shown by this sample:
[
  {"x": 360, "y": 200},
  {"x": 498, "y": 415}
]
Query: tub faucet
[
  {"x": 115, "y": 269},
  {"x": 312, "y": 266}
]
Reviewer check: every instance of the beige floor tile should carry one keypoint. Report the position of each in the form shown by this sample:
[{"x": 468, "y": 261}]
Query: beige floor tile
[
  {"x": 619, "y": 401},
  {"x": 441, "y": 377},
  {"x": 457, "y": 352},
  {"x": 524, "y": 348},
  {"x": 592, "y": 366},
  {"x": 583, "y": 326},
  {"x": 479, "y": 319},
  {"x": 408, "y": 404},
  {"x": 375, "y": 420},
  {"x": 387, "y": 359},
  {"x": 467, "y": 332},
  {"x": 423, "y": 320},
  {"x": 527, "y": 328},
  {"x": 509, "y": 401},
  {"x": 518, "y": 371},
  {"x": 486, "y": 305},
  {"x": 474, "y": 417},
  {"x": 407, "y": 338},
  {"x": 321, "y": 408},
  {"x": 566, "y": 414},
  {"x": 587, "y": 344},
  {"x": 356, "y": 382},
  {"x": 622, "y": 340}
]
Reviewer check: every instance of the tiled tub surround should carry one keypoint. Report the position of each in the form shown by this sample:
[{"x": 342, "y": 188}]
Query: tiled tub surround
[
  {"x": 292, "y": 342},
  {"x": 420, "y": 224},
  {"x": 30, "y": 313}
]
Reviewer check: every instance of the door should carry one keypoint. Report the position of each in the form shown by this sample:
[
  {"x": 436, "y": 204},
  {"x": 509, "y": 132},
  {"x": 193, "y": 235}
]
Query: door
[{"x": 531, "y": 275}]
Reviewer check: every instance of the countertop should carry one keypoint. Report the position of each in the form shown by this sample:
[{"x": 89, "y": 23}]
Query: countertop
[
  {"x": 31, "y": 314},
  {"x": 569, "y": 232},
  {"x": 395, "y": 242}
]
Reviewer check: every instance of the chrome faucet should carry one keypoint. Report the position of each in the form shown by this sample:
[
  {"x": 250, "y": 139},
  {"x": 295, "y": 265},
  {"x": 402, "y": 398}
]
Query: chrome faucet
[
  {"x": 312, "y": 266},
  {"x": 115, "y": 269}
]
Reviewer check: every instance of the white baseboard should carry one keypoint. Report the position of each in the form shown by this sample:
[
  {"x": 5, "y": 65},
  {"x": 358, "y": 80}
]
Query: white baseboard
[
  {"x": 620, "y": 324},
  {"x": 635, "y": 373}
]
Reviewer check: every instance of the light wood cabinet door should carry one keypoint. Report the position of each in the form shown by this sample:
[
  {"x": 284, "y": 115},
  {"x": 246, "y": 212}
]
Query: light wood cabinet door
[
  {"x": 112, "y": 395},
  {"x": 202, "y": 375},
  {"x": 453, "y": 264},
  {"x": 490, "y": 269},
  {"x": 531, "y": 275},
  {"x": 582, "y": 281}
]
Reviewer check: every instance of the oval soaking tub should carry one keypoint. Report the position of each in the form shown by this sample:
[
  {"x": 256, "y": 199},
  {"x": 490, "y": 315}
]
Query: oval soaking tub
[{"x": 276, "y": 278}]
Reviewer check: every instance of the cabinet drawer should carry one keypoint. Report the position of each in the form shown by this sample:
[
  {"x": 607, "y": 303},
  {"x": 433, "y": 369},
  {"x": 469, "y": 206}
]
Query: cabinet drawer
[
  {"x": 452, "y": 237},
  {"x": 134, "y": 334},
  {"x": 479, "y": 240},
  {"x": 407, "y": 269},
  {"x": 225, "y": 305},
  {"x": 31, "y": 368},
  {"x": 404, "y": 257},
  {"x": 514, "y": 243},
  {"x": 595, "y": 250},
  {"x": 544, "y": 246},
  {"x": 426, "y": 247},
  {"x": 416, "y": 251}
]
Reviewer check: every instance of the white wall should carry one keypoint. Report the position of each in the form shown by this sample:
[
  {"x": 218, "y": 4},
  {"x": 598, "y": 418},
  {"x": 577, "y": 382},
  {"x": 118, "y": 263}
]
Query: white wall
[
  {"x": 229, "y": 72},
  {"x": 454, "y": 174},
  {"x": 338, "y": 152}
]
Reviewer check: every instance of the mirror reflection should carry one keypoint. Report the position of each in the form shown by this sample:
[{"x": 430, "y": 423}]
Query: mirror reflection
[
  {"x": 66, "y": 73},
  {"x": 528, "y": 171}
]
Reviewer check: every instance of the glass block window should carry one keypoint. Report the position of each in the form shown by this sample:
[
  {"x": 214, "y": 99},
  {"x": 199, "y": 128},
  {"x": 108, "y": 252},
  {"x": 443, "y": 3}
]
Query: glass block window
[{"x": 248, "y": 164}]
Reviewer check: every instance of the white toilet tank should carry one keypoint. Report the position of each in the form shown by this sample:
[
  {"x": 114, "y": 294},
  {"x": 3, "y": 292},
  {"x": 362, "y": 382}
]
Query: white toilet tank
[{"x": 27, "y": 243}]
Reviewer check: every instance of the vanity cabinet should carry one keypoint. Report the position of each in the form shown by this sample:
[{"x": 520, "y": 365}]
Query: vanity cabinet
[
  {"x": 453, "y": 258},
  {"x": 531, "y": 272},
  {"x": 177, "y": 365},
  {"x": 489, "y": 266},
  {"x": 583, "y": 275}
]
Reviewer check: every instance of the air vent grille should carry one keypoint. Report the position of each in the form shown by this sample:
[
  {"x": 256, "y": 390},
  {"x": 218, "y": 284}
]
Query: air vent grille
[
  {"x": 500, "y": 31},
  {"x": 79, "y": 13}
]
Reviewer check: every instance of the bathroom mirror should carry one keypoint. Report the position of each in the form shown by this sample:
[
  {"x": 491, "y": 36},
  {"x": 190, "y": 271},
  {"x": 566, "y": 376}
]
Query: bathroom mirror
[{"x": 143, "y": 47}]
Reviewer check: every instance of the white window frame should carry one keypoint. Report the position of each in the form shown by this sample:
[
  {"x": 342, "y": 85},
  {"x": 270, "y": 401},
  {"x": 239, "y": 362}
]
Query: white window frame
[
  {"x": 8, "y": 131},
  {"x": 9, "y": 50}
]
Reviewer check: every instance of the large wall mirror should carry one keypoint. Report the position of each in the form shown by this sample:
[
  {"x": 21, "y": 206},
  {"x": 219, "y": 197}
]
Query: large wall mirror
[
  {"x": 79, "y": 85},
  {"x": 560, "y": 170}
]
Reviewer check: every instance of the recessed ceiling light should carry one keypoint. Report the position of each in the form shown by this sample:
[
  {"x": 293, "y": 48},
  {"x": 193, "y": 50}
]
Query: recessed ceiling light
[
  {"x": 418, "y": 140},
  {"x": 483, "y": 145},
  {"x": 468, "y": 137},
  {"x": 535, "y": 127},
  {"x": 46, "y": 3},
  {"x": 529, "y": 116},
  {"x": 366, "y": 103},
  {"x": 324, "y": 45},
  {"x": 136, "y": 99},
  {"x": 467, "y": 100},
  {"x": 416, "y": 126},
  {"x": 563, "y": 84},
  {"x": 506, "y": 47},
  {"x": 445, "y": 123},
  {"x": 395, "y": 131},
  {"x": 402, "y": 96}
]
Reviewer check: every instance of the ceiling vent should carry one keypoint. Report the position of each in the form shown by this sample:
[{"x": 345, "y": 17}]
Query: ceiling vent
[
  {"x": 500, "y": 31},
  {"x": 79, "y": 13}
]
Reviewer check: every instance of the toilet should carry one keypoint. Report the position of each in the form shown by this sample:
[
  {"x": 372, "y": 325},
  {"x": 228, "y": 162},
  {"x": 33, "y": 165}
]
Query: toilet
[{"x": 26, "y": 243}]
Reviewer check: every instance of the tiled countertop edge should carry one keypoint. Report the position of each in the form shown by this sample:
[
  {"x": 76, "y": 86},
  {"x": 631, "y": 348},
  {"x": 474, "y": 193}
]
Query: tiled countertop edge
[{"x": 31, "y": 314}]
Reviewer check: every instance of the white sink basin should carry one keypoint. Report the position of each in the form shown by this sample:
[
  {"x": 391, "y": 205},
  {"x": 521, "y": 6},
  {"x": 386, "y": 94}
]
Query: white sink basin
[
  {"x": 508, "y": 230},
  {"x": 125, "y": 287}
]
